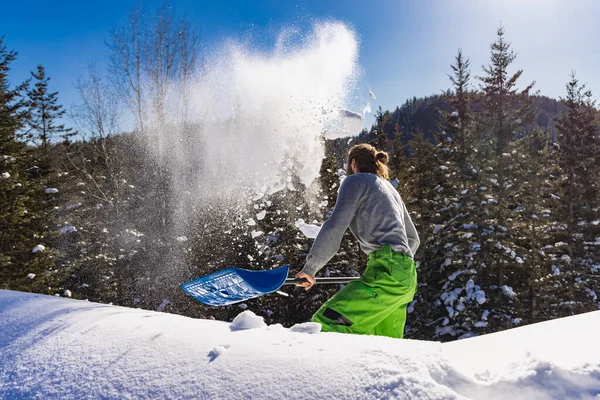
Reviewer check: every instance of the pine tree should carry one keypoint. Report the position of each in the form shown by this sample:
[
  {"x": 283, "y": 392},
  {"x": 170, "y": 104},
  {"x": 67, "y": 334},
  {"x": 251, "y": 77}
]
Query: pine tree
[
  {"x": 579, "y": 145},
  {"x": 381, "y": 141},
  {"x": 506, "y": 110},
  {"x": 45, "y": 111},
  {"x": 11, "y": 106},
  {"x": 533, "y": 214},
  {"x": 11, "y": 102},
  {"x": 456, "y": 127},
  {"x": 450, "y": 302},
  {"x": 576, "y": 254},
  {"x": 25, "y": 262}
]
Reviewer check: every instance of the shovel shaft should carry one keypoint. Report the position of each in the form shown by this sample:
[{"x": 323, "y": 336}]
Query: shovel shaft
[{"x": 343, "y": 279}]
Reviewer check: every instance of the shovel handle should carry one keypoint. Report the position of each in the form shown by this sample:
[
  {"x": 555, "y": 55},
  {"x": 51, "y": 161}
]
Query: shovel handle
[{"x": 343, "y": 279}]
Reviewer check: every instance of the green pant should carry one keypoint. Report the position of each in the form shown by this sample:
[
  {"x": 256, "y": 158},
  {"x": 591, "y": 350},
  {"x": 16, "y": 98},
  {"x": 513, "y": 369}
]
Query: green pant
[{"x": 376, "y": 303}]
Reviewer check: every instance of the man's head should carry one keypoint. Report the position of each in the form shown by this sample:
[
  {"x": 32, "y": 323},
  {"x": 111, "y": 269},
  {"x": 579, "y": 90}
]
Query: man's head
[{"x": 365, "y": 158}]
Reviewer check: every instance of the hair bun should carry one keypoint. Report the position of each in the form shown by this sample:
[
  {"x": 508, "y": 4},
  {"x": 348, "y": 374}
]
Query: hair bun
[{"x": 382, "y": 157}]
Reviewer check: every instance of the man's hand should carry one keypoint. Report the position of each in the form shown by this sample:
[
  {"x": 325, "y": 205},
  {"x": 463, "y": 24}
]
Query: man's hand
[{"x": 310, "y": 280}]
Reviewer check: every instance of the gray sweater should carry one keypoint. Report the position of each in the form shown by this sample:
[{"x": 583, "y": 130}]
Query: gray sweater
[{"x": 376, "y": 215}]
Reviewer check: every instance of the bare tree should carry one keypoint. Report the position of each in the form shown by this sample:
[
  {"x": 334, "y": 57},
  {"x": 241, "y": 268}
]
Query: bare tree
[
  {"x": 153, "y": 62},
  {"x": 190, "y": 63},
  {"x": 152, "y": 59},
  {"x": 98, "y": 114},
  {"x": 127, "y": 58},
  {"x": 97, "y": 118}
]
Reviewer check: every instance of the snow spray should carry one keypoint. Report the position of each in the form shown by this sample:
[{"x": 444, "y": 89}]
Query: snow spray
[
  {"x": 255, "y": 123},
  {"x": 260, "y": 113},
  {"x": 255, "y": 116}
]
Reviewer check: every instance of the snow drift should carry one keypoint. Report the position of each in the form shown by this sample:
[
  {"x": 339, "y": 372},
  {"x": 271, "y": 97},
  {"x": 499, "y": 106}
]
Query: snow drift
[{"x": 53, "y": 347}]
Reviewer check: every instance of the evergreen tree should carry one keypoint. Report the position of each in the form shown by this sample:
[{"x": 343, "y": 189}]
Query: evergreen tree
[
  {"x": 579, "y": 145},
  {"x": 575, "y": 252},
  {"x": 456, "y": 126},
  {"x": 450, "y": 301},
  {"x": 532, "y": 217},
  {"x": 506, "y": 110},
  {"x": 45, "y": 111},
  {"x": 25, "y": 261},
  {"x": 381, "y": 141}
]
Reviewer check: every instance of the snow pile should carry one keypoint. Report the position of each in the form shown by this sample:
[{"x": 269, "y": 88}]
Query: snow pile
[
  {"x": 307, "y": 327},
  {"x": 54, "y": 347},
  {"x": 247, "y": 320}
]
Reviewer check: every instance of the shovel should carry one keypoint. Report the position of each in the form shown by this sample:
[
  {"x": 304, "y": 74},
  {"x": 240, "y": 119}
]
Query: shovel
[{"x": 234, "y": 285}]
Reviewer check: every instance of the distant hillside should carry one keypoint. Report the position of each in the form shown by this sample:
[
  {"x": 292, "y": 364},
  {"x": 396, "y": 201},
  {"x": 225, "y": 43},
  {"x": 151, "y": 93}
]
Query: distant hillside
[{"x": 422, "y": 114}]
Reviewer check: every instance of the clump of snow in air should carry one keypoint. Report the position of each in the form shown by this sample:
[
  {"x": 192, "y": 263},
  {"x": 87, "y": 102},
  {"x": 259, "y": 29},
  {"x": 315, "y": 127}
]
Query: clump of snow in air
[
  {"x": 51, "y": 190},
  {"x": 30, "y": 276},
  {"x": 5, "y": 175},
  {"x": 67, "y": 293},
  {"x": 365, "y": 110},
  {"x": 73, "y": 206},
  {"x": 351, "y": 121},
  {"x": 182, "y": 239},
  {"x": 307, "y": 327},
  {"x": 372, "y": 95},
  {"x": 48, "y": 341},
  {"x": 351, "y": 125},
  {"x": 308, "y": 230},
  {"x": 247, "y": 320},
  {"x": 261, "y": 215},
  {"x": 256, "y": 234},
  {"x": 39, "y": 247},
  {"x": 67, "y": 229}
]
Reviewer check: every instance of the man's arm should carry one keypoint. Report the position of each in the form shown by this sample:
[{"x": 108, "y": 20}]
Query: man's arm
[{"x": 327, "y": 242}]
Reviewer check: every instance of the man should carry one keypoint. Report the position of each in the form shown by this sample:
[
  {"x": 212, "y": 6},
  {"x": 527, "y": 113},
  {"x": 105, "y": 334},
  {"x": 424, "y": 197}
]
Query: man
[{"x": 372, "y": 208}]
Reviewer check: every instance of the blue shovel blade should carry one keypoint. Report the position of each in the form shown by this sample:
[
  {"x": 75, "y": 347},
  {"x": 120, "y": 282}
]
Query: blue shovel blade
[{"x": 233, "y": 285}]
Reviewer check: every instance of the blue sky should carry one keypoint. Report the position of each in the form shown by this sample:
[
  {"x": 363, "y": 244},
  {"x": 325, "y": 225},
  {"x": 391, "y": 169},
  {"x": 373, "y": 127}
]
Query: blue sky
[{"x": 406, "y": 47}]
